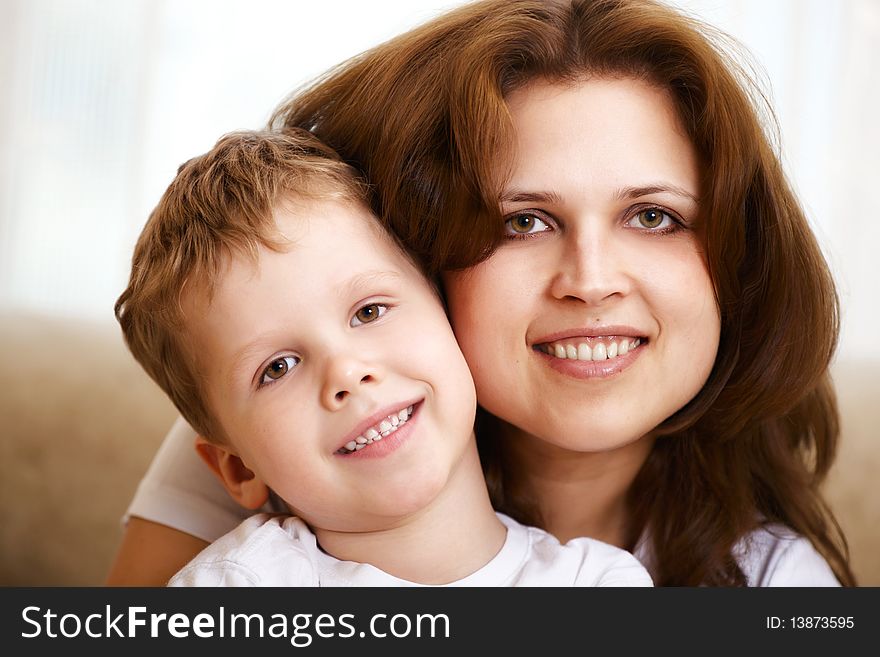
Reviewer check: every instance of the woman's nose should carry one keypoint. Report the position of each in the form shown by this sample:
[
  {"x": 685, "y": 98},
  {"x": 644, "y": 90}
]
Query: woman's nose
[
  {"x": 592, "y": 269},
  {"x": 346, "y": 376}
]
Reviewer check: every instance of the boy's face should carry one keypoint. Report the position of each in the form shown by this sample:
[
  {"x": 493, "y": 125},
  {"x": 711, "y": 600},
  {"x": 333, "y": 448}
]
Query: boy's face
[{"x": 328, "y": 344}]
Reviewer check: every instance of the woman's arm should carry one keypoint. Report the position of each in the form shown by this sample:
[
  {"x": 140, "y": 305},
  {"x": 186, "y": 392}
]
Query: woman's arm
[{"x": 151, "y": 553}]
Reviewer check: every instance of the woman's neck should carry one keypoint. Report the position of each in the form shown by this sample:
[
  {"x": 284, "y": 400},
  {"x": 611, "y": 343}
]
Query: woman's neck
[
  {"x": 454, "y": 536},
  {"x": 577, "y": 493}
]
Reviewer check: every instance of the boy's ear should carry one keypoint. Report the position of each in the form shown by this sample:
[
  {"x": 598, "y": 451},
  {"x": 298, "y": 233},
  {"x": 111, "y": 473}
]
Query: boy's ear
[{"x": 243, "y": 484}]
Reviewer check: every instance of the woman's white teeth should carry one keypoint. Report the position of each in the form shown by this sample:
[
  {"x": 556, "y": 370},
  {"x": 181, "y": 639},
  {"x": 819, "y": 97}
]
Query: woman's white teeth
[
  {"x": 599, "y": 351},
  {"x": 375, "y": 433}
]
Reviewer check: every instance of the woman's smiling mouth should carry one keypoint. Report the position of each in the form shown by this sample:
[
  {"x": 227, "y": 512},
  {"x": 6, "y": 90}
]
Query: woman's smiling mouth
[
  {"x": 590, "y": 348},
  {"x": 588, "y": 354}
]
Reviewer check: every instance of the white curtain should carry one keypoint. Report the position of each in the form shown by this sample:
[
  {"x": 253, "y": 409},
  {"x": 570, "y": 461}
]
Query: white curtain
[{"x": 102, "y": 100}]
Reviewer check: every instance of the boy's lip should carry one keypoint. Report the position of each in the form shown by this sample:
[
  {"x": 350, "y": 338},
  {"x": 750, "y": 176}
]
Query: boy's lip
[{"x": 375, "y": 418}]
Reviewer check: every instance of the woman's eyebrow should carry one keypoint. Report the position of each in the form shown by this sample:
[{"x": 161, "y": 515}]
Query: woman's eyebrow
[
  {"x": 517, "y": 196},
  {"x": 646, "y": 190}
]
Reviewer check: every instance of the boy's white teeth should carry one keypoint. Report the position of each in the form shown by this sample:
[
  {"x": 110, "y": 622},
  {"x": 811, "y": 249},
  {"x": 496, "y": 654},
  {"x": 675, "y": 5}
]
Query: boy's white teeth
[
  {"x": 603, "y": 350},
  {"x": 378, "y": 431}
]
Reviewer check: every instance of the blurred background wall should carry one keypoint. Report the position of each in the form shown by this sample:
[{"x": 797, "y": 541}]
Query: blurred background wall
[{"x": 102, "y": 100}]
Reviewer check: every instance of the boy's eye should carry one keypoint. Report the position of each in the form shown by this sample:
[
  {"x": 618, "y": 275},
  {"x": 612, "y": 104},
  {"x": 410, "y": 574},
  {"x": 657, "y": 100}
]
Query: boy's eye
[
  {"x": 525, "y": 223},
  {"x": 368, "y": 313},
  {"x": 278, "y": 368}
]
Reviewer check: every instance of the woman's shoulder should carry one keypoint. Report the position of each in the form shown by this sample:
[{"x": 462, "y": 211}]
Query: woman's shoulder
[
  {"x": 772, "y": 555},
  {"x": 775, "y": 555}
]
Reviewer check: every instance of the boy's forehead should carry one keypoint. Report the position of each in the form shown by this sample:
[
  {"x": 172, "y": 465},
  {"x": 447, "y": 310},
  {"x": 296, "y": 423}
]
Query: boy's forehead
[
  {"x": 338, "y": 225},
  {"x": 334, "y": 244},
  {"x": 295, "y": 212}
]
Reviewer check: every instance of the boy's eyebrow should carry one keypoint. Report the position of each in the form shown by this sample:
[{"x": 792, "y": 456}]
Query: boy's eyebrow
[
  {"x": 367, "y": 279},
  {"x": 251, "y": 349}
]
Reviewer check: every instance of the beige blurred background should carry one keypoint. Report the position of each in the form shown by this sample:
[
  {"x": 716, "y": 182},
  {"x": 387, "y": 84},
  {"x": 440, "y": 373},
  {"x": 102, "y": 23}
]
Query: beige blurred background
[{"x": 102, "y": 100}]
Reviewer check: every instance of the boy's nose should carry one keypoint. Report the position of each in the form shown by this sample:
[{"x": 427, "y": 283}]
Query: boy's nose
[{"x": 346, "y": 376}]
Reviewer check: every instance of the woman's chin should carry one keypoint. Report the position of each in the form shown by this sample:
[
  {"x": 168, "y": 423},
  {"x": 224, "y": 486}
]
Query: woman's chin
[{"x": 590, "y": 436}]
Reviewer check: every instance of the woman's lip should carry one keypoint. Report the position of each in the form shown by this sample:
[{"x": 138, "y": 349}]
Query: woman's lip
[
  {"x": 377, "y": 417},
  {"x": 608, "y": 331},
  {"x": 591, "y": 369}
]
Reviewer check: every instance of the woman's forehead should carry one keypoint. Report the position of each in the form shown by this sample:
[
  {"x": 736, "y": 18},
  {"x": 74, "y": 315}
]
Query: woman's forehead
[{"x": 613, "y": 131}]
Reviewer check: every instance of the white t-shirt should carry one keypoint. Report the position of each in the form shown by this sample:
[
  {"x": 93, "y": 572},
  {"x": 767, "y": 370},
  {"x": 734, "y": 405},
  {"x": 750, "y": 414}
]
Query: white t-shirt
[
  {"x": 771, "y": 556},
  {"x": 179, "y": 491},
  {"x": 272, "y": 550}
]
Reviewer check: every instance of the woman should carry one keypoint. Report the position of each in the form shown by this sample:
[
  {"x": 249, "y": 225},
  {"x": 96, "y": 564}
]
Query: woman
[{"x": 591, "y": 179}]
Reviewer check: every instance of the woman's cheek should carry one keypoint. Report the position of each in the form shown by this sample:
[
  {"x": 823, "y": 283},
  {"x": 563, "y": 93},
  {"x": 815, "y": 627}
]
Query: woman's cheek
[
  {"x": 471, "y": 312},
  {"x": 481, "y": 304},
  {"x": 483, "y": 301}
]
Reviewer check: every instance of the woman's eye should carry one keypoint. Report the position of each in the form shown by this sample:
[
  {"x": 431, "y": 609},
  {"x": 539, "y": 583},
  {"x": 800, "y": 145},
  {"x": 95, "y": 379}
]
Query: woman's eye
[
  {"x": 278, "y": 368},
  {"x": 651, "y": 218},
  {"x": 525, "y": 223},
  {"x": 368, "y": 313}
]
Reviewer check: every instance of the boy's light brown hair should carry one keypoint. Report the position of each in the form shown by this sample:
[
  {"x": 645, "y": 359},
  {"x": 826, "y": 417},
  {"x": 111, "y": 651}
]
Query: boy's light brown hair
[{"x": 220, "y": 203}]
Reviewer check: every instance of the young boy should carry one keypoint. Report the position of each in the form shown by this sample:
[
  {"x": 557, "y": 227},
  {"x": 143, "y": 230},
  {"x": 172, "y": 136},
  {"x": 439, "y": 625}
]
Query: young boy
[{"x": 303, "y": 344}]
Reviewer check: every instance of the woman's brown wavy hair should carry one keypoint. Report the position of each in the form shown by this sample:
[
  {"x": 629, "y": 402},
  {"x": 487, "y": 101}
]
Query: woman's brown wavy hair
[{"x": 424, "y": 117}]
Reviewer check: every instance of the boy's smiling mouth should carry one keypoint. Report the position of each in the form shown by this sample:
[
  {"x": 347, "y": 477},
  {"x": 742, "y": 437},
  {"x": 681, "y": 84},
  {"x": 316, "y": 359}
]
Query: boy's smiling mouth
[{"x": 380, "y": 429}]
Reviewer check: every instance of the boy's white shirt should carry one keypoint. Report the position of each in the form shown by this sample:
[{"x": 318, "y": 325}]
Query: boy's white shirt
[
  {"x": 180, "y": 492},
  {"x": 273, "y": 550}
]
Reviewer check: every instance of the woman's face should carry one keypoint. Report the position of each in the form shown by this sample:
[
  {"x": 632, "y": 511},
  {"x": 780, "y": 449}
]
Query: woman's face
[{"x": 596, "y": 319}]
